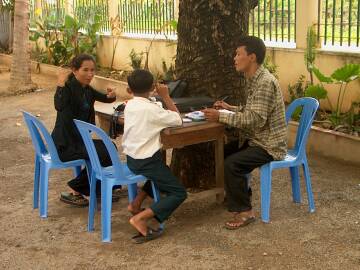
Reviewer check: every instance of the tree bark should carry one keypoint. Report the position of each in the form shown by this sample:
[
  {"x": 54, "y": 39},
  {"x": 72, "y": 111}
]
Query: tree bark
[
  {"x": 208, "y": 33},
  {"x": 20, "y": 78}
]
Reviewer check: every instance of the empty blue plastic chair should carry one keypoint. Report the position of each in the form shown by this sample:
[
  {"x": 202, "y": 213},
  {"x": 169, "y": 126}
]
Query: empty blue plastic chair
[
  {"x": 46, "y": 158},
  {"x": 117, "y": 174},
  {"x": 294, "y": 158}
]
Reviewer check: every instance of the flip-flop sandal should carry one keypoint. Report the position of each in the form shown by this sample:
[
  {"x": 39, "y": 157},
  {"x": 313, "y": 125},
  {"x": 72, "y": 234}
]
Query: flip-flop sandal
[
  {"x": 151, "y": 235},
  {"x": 242, "y": 221},
  {"x": 76, "y": 200},
  {"x": 140, "y": 235}
]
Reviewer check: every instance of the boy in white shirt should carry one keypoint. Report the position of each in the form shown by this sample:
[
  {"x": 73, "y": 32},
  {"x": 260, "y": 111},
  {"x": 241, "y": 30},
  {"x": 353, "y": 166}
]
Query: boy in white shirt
[{"x": 144, "y": 120}]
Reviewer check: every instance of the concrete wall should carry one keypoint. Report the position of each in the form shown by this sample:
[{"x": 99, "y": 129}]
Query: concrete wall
[
  {"x": 329, "y": 143},
  {"x": 160, "y": 50}
]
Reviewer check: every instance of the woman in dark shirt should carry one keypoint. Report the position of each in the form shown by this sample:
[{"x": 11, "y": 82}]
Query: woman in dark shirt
[{"x": 74, "y": 99}]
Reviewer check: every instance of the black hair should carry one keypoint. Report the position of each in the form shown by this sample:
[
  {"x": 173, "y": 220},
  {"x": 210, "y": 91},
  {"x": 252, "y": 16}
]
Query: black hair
[
  {"x": 254, "y": 45},
  {"x": 140, "y": 81},
  {"x": 77, "y": 61}
]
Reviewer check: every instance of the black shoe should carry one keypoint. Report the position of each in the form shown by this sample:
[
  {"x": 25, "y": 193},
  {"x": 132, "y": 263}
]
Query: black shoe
[{"x": 77, "y": 200}]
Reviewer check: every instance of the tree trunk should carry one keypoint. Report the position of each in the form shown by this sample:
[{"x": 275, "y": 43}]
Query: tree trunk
[
  {"x": 20, "y": 78},
  {"x": 208, "y": 32}
]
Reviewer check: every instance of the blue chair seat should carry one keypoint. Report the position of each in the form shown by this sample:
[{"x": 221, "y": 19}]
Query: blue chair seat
[{"x": 294, "y": 158}]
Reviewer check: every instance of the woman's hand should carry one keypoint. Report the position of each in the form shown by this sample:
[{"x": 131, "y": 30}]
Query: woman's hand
[
  {"x": 111, "y": 92},
  {"x": 62, "y": 76}
]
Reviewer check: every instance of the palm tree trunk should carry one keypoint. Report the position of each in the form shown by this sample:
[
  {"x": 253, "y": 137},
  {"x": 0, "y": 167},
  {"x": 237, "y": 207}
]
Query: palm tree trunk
[
  {"x": 20, "y": 78},
  {"x": 208, "y": 31}
]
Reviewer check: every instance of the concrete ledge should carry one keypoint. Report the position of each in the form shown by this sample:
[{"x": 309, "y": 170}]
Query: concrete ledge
[{"x": 329, "y": 143}]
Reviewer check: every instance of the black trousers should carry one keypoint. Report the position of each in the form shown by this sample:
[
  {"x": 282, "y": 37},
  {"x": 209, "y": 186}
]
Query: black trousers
[
  {"x": 238, "y": 163},
  {"x": 155, "y": 169},
  {"x": 81, "y": 182}
]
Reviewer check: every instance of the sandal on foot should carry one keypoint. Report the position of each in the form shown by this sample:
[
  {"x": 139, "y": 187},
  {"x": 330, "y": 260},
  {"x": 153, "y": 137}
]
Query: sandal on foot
[
  {"x": 77, "y": 200},
  {"x": 239, "y": 221},
  {"x": 140, "y": 235},
  {"x": 151, "y": 235}
]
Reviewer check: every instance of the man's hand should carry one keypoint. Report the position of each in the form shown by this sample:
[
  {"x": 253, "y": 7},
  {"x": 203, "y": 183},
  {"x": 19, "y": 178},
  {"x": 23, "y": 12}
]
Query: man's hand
[
  {"x": 211, "y": 115},
  {"x": 111, "y": 92},
  {"x": 222, "y": 105},
  {"x": 162, "y": 90},
  {"x": 62, "y": 76}
]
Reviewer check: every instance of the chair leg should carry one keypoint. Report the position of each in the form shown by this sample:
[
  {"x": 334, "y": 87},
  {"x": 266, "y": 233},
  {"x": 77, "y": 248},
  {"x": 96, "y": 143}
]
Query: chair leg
[
  {"x": 36, "y": 183},
  {"x": 77, "y": 170},
  {"x": 132, "y": 192},
  {"x": 106, "y": 203},
  {"x": 265, "y": 191},
  {"x": 44, "y": 189},
  {"x": 92, "y": 203},
  {"x": 295, "y": 184},
  {"x": 308, "y": 186},
  {"x": 156, "y": 194}
]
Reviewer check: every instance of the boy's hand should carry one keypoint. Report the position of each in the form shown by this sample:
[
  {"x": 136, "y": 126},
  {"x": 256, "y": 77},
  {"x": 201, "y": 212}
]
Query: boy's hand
[
  {"x": 162, "y": 90},
  {"x": 111, "y": 92},
  {"x": 62, "y": 76},
  {"x": 211, "y": 115}
]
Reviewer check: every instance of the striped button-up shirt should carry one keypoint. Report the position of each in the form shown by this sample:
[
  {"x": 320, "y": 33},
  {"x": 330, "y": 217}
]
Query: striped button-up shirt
[{"x": 262, "y": 120}]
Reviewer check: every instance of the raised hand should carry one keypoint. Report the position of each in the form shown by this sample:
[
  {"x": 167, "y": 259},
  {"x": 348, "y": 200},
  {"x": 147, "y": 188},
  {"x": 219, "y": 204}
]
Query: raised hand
[
  {"x": 111, "y": 92},
  {"x": 62, "y": 76}
]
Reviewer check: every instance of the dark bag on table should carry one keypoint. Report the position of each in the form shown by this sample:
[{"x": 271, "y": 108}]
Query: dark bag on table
[{"x": 115, "y": 128}]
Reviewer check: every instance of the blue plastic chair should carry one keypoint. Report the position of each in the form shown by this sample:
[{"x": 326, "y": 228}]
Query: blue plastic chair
[
  {"x": 46, "y": 158},
  {"x": 294, "y": 158},
  {"x": 117, "y": 174}
]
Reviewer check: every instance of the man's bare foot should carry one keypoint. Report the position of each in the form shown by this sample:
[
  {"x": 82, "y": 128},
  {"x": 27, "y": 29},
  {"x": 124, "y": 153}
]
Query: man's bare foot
[{"x": 139, "y": 221}]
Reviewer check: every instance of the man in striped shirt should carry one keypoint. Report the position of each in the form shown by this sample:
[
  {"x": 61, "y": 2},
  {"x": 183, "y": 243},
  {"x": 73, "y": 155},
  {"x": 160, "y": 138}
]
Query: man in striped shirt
[{"x": 261, "y": 124}]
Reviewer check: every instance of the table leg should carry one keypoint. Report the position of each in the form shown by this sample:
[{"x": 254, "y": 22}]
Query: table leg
[
  {"x": 219, "y": 169},
  {"x": 103, "y": 123}
]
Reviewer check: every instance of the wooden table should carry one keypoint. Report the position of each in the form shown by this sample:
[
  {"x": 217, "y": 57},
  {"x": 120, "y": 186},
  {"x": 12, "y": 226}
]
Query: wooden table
[{"x": 178, "y": 137}]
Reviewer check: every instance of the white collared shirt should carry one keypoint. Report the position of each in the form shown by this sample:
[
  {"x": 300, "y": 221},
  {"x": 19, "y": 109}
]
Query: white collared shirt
[{"x": 144, "y": 121}]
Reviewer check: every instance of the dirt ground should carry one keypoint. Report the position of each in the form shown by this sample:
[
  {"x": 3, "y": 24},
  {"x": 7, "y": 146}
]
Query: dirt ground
[{"x": 194, "y": 236}]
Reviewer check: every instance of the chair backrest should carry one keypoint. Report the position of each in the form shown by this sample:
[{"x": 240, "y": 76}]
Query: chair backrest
[
  {"x": 309, "y": 107},
  {"x": 86, "y": 130},
  {"x": 39, "y": 133}
]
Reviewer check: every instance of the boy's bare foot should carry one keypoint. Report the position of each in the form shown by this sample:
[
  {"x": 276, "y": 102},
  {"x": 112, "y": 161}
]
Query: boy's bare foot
[
  {"x": 134, "y": 209},
  {"x": 139, "y": 221},
  {"x": 135, "y": 206}
]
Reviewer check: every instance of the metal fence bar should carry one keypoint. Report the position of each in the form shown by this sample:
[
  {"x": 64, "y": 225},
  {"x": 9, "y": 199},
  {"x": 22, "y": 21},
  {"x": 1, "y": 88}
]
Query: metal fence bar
[
  {"x": 333, "y": 22},
  {"x": 350, "y": 13},
  {"x": 338, "y": 23},
  {"x": 289, "y": 21},
  {"x": 358, "y": 25},
  {"x": 326, "y": 20},
  {"x": 276, "y": 20}
]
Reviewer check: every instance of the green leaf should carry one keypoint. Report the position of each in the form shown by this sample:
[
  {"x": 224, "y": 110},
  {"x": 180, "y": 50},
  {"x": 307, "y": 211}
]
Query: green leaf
[
  {"x": 173, "y": 24},
  {"x": 316, "y": 91},
  {"x": 35, "y": 36},
  {"x": 347, "y": 73},
  {"x": 321, "y": 77},
  {"x": 70, "y": 22}
]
